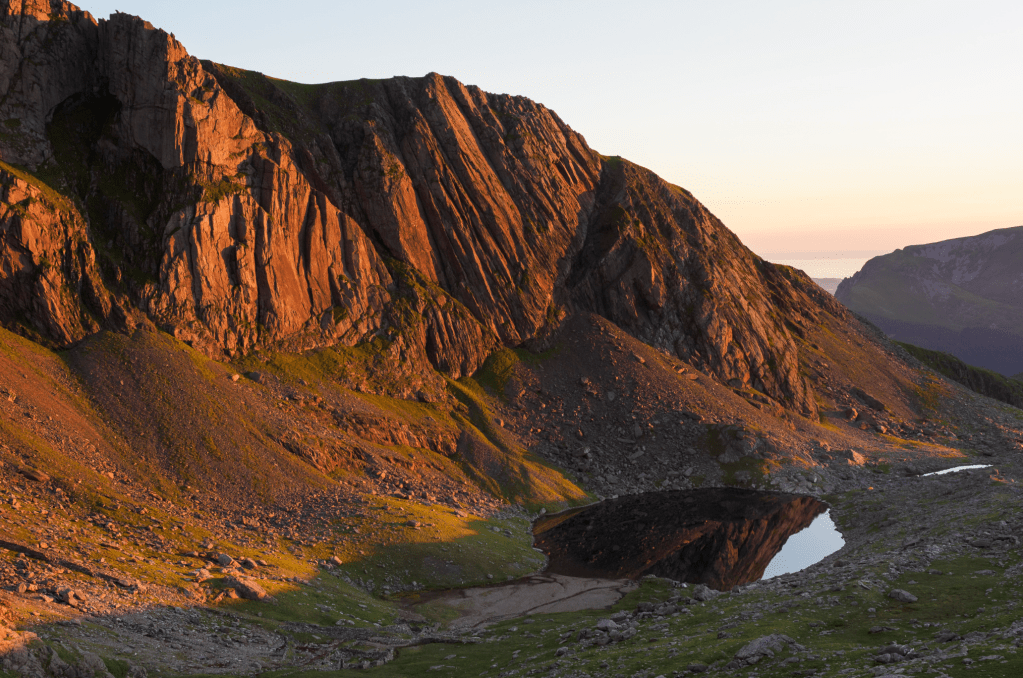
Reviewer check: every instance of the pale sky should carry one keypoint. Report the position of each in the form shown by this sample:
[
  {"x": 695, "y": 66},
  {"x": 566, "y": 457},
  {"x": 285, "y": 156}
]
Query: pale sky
[{"x": 816, "y": 126}]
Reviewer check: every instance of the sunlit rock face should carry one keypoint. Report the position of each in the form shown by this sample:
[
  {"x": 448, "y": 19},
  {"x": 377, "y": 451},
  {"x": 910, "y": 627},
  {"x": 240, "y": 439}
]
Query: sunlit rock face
[
  {"x": 721, "y": 537},
  {"x": 240, "y": 213}
]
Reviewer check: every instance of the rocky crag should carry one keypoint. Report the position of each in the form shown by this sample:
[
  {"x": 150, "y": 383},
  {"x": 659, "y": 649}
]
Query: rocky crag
[
  {"x": 959, "y": 296},
  {"x": 236, "y": 212}
]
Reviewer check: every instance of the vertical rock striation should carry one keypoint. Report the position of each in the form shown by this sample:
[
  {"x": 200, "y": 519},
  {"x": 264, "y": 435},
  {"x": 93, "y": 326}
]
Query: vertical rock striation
[{"x": 236, "y": 211}]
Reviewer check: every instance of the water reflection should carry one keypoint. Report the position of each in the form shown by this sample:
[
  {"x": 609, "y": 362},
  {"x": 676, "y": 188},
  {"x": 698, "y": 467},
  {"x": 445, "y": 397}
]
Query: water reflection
[
  {"x": 805, "y": 548},
  {"x": 721, "y": 537}
]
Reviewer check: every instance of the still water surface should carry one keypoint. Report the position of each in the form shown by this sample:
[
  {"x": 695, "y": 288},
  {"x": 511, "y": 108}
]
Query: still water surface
[
  {"x": 721, "y": 537},
  {"x": 956, "y": 469},
  {"x": 805, "y": 548},
  {"x": 826, "y": 267}
]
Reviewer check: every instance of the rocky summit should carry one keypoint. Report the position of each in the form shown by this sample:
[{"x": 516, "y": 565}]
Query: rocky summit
[{"x": 288, "y": 371}]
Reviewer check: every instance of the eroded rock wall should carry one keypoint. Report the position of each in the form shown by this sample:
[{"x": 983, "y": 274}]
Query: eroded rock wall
[
  {"x": 48, "y": 50},
  {"x": 659, "y": 265},
  {"x": 49, "y": 283},
  {"x": 235, "y": 212},
  {"x": 232, "y": 247}
]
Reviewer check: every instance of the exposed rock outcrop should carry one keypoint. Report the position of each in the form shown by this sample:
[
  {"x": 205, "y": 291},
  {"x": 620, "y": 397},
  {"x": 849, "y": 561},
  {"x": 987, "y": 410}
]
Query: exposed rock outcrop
[
  {"x": 48, "y": 49},
  {"x": 235, "y": 211},
  {"x": 203, "y": 220},
  {"x": 49, "y": 283},
  {"x": 659, "y": 265}
]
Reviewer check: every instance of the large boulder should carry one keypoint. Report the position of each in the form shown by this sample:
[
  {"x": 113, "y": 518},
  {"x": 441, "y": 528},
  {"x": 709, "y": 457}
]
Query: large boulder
[{"x": 248, "y": 588}]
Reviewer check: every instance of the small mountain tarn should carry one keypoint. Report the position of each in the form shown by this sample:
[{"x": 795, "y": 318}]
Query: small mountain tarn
[{"x": 721, "y": 537}]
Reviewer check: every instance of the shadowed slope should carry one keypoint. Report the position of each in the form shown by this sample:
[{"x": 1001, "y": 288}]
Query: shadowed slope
[{"x": 959, "y": 296}]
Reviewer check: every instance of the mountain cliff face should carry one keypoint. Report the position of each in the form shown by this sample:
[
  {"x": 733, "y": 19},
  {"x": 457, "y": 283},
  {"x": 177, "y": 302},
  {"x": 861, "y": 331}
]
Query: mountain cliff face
[
  {"x": 960, "y": 296},
  {"x": 238, "y": 212}
]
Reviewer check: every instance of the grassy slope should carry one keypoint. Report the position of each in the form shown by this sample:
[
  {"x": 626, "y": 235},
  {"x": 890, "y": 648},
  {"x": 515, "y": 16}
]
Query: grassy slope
[
  {"x": 450, "y": 549},
  {"x": 843, "y": 628},
  {"x": 985, "y": 382},
  {"x": 187, "y": 443}
]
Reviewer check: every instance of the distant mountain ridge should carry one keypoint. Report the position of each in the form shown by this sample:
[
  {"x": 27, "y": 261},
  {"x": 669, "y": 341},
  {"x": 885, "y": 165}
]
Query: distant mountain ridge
[{"x": 962, "y": 296}]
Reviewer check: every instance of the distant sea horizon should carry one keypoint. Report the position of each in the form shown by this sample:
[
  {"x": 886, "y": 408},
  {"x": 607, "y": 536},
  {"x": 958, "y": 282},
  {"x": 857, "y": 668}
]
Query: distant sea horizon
[{"x": 824, "y": 265}]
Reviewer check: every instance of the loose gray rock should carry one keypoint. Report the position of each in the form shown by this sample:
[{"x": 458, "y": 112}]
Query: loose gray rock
[
  {"x": 703, "y": 593},
  {"x": 902, "y": 596},
  {"x": 58, "y": 666},
  {"x": 91, "y": 665},
  {"x": 765, "y": 646},
  {"x": 889, "y": 658},
  {"x": 70, "y": 597}
]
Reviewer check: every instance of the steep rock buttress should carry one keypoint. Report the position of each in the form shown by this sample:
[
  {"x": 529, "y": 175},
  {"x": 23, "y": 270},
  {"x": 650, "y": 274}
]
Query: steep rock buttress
[{"x": 236, "y": 211}]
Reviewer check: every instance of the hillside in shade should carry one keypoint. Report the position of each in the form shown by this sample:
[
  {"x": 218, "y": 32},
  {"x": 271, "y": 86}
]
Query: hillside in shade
[{"x": 960, "y": 296}]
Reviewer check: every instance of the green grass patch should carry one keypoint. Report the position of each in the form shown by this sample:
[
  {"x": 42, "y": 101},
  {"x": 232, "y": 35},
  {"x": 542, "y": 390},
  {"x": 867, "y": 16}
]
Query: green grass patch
[
  {"x": 985, "y": 382},
  {"x": 54, "y": 198},
  {"x": 502, "y": 466},
  {"x": 499, "y": 367},
  {"x": 324, "y": 601},
  {"x": 117, "y": 667},
  {"x": 445, "y": 551},
  {"x": 748, "y": 472}
]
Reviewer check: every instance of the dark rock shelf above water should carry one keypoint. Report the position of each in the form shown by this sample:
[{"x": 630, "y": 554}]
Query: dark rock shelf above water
[{"x": 721, "y": 537}]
